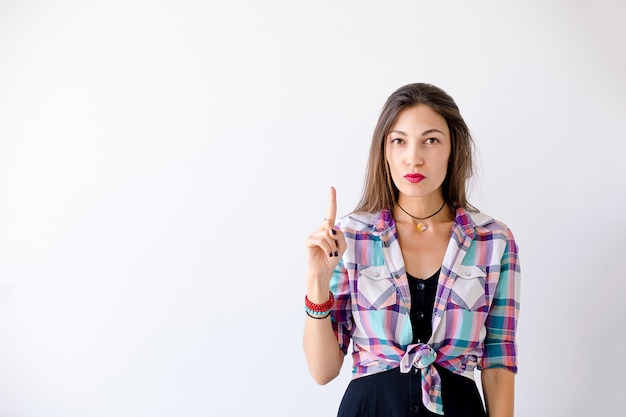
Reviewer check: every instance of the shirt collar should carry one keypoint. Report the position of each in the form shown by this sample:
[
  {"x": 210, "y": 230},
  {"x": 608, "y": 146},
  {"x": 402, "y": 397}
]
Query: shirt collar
[{"x": 465, "y": 222}]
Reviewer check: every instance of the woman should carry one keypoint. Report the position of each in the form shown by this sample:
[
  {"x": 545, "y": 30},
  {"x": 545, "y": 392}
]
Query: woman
[{"x": 424, "y": 286}]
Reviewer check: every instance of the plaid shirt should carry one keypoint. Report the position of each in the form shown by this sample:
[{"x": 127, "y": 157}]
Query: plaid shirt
[{"x": 476, "y": 306}]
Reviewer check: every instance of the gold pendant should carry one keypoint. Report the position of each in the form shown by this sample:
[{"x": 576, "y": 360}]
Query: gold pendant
[{"x": 421, "y": 226}]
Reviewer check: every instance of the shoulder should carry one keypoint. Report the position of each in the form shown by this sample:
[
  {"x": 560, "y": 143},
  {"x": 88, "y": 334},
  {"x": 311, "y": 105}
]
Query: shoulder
[
  {"x": 482, "y": 224},
  {"x": 485, "y": 222},
  {"x": 486, "y": 227}
]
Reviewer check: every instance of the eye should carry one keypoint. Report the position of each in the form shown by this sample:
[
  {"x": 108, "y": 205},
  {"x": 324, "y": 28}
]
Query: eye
[
  {"x": 397, "y": 140},
  {"x": 432, "y": 140}
]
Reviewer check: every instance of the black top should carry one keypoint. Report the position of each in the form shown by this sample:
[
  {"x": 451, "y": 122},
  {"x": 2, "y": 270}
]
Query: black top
[{"x": 423, "y": 292}]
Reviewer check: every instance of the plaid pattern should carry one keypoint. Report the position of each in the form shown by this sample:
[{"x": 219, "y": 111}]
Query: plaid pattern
[{"x": 476, "y": 307}]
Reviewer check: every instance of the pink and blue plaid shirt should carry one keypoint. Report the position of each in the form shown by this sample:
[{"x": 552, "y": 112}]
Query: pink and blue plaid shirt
[{"x": 476, "y": 306}]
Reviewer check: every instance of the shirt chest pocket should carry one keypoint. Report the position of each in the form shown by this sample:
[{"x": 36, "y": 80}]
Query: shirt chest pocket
[
  {"x": 375, "y": 288},
  {"x": 468, "y": 290}
]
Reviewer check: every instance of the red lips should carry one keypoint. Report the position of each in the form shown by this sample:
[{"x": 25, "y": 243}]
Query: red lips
[{"x": 414, "y": 178}]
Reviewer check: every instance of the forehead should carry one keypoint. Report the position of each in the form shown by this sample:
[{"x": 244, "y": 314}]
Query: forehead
[{"x": 418, "y": 119}]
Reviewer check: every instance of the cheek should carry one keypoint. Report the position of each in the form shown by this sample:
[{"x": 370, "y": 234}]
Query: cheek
[
  {"x": 395, "y": 158},
  {"x": 394, "y": 167},
  {"x": 445, "y": 166},
  {"x": 392, "y": 172},
  {"x": 446, "y": 161}
]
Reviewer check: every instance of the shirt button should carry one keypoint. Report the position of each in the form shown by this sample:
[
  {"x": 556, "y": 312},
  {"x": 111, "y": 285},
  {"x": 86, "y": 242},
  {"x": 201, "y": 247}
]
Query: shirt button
[
  {"x": 415, "y": 370},
  {"x": 467, "y": 274},
  {"x": 419, "y": 315},
  {"x": 396, "y": 276},
  {"x": 376, "y": 274},
  {"x": 414, "y": 409},
  {"x": 420, "y": 286}
]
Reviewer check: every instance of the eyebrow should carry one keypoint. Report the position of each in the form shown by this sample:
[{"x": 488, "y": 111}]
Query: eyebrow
[{"x": 424, "y": 133}]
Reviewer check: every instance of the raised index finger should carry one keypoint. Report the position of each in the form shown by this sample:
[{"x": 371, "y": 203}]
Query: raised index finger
[{"x": 332, "y": 207}]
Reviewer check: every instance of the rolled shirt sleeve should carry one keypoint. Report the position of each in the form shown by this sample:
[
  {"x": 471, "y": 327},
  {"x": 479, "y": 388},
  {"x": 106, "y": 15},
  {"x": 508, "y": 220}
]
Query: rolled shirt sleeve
[
  {"x": 341, "y": 314},
  {"x": 500, "y": 349}
]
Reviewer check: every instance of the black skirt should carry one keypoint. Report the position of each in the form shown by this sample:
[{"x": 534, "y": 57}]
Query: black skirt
[{"x": 395, "y": 394}]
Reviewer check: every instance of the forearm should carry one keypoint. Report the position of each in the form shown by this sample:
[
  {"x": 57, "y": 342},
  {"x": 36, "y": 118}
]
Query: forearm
[
  {"x": 321, "y": 347},
  {"x": 498, "y": 390}
]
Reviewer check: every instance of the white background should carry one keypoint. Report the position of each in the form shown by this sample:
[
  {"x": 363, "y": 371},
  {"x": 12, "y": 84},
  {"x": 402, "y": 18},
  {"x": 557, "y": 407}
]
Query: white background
[{"x": 161, "y": 163}]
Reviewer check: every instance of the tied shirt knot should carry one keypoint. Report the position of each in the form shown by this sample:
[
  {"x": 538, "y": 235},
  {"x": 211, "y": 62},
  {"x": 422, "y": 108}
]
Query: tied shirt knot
[{"x": 422, "y": 356}]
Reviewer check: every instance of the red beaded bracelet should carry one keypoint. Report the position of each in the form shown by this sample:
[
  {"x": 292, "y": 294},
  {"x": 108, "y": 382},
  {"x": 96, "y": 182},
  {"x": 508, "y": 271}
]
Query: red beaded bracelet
[{"x": 320, "y": 308}]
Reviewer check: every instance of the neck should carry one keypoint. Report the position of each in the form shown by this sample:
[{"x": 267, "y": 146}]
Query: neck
[
  {"x": 434, "y": 215},
  {"x": 420, "y": 207}
]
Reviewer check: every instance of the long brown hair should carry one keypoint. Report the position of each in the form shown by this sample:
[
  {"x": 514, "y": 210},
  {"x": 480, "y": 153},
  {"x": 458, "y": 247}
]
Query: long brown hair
[{"x": 379, "y": 191}]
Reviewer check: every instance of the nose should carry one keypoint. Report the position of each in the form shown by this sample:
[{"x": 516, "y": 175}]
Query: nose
[{"x": 414, "y": 156}]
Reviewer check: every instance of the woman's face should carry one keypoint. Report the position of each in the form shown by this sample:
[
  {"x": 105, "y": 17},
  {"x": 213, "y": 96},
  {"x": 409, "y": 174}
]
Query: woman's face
[{"x": 417, "y": 150}]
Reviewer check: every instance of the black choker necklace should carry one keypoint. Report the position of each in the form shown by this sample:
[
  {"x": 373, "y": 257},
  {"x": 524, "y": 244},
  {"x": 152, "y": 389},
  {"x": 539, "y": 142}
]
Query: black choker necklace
[{"x": 421, "y": 226}]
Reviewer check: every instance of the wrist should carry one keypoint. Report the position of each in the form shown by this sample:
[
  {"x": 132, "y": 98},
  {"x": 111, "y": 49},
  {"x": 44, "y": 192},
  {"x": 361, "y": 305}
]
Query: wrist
[
  {"x": 318, "y": 292},
  {"x": 319, "y": 310}
]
